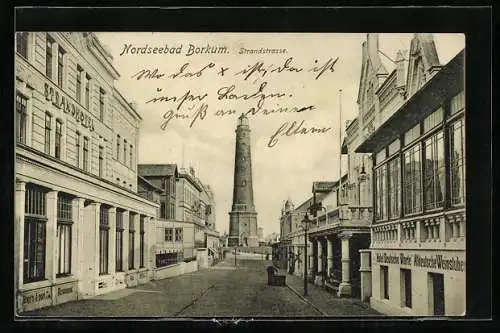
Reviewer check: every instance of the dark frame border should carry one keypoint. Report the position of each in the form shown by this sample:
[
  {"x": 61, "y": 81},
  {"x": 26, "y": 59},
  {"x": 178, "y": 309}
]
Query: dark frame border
[{"x": 474, "y": 22}]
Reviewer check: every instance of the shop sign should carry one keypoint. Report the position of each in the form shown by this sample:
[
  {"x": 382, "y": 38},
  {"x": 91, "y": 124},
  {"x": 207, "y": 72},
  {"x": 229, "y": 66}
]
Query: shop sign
[
  {"x": 63, "y": 102},
  {"x": 435, "y": 261},
  {"x": 37, "y": 297}
]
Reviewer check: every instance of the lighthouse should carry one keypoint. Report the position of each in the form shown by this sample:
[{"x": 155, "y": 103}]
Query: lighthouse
[{"x": 243, "y": 216}]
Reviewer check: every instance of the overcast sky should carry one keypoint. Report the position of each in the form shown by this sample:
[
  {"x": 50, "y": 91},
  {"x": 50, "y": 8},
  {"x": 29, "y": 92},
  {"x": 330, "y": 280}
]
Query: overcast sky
[{"x": 285, "y": 170}]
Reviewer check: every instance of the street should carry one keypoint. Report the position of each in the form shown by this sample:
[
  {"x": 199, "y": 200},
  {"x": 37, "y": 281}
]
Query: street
[{"x": 219, "y": 291}]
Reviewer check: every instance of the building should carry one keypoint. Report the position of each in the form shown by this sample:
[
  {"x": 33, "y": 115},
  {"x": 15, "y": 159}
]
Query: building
[
  {"x": 81, "y": 228},
  {"x": 243, "y": 217},
  {"x": 416, "y": 262},
  {"x": 260, "y": 236}
]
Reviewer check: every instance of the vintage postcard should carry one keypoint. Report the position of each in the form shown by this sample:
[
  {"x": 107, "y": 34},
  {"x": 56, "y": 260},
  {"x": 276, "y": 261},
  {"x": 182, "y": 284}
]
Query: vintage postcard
[{"x": 213, "y": 175}]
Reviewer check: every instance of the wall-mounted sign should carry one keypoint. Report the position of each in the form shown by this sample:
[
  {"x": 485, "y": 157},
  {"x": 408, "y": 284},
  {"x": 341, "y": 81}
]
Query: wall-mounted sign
[
  {"x": 436, "y": 261},
  {"x": 61, "y": 101}
]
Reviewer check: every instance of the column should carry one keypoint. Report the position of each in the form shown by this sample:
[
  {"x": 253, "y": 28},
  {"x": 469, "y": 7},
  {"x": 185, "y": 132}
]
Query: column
[
  {"x": 366, "y": 275},
  {"x": 76, "y": 236},
  {"x": 51, "y": 249},
  {"x": 126, "y": 215},
  {"x": 137, "y": 242},
  {"x": 19, "y": 237},
  {"x": 345, "y": 285},
  {"x": 319, "y": 268},
  {"x": 112, "y": 240},
  {"x": 329, "y": 242},
  {"x": 310, "y": 258}
]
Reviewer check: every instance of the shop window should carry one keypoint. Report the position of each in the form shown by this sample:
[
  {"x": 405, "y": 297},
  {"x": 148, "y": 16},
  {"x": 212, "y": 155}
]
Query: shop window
[
  {"x": 406, "y": 288},
  {"x": 64, "y": 234},
  {"x": 22, "y": 43},
  {"x": 103, "y": 240},
  {"x": 394, "y": 188},
  {"x": 131, "y": 242},
  {"x": 436, "y": 295},
  {"x": 34, "y": 234},
  {"x": 58, "y": 141},
  {"x": 457, "y": 172},
  {"x": 434, "y": 171},
  {"x": 412, "y": 180},
  {"x": 119, "y": 242},
  {"x": 21, "y": 117},
  {"x": 384, "y": 282},
  {"x": 142, "y": 232},
  {"x": 48, "y": 128}
]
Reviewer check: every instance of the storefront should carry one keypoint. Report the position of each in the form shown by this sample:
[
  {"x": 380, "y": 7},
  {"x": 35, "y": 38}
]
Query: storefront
[{"x": 81, "y": 229}]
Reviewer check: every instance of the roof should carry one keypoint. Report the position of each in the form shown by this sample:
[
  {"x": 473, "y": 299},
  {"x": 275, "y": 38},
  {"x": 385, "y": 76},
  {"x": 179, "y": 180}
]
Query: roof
[
  {"x": 148, "y": 184},
  {"x": 148, "y": 170},
  {"x": 447, "y": 82}
]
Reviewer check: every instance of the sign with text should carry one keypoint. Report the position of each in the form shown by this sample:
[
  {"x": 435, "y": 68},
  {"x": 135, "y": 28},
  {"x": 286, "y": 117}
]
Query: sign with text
[{"x": 435, "y": 261}]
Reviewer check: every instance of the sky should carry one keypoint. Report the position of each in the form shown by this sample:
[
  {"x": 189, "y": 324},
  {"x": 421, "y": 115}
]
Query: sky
[{"x": 206, "y": 141}]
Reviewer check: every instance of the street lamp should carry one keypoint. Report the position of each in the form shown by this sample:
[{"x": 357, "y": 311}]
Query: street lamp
[{"x": 305, "y": 222}]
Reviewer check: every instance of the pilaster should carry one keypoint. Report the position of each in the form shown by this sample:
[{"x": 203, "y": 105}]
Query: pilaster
[{"x": 51, "y": 249}]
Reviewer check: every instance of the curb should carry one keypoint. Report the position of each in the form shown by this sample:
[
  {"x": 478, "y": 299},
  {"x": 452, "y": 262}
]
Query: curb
[{"x": 306, "y": 300}]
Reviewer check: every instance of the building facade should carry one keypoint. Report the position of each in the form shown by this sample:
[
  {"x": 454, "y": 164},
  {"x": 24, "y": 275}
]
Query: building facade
[
  {"x": 81, "y": 229},
  {"x": 417, "y": 260},
  {"x": 243, "y": 217}
]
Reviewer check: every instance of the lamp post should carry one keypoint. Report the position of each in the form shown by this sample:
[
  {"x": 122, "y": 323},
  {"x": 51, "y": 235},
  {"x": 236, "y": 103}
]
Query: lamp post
[{"x": 305, "y": 223}]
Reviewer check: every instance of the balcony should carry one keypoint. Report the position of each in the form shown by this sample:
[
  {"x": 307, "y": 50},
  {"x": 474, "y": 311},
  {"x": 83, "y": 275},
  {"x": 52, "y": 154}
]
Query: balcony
[
  {"x": 438, "y": 230},
  {"x": 343, "y": 216}
]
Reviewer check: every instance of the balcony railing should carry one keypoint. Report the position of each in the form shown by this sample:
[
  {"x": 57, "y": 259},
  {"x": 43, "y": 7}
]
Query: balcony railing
[
  {"x": 343, "y": 216},
  {"x": 444, "y": 229}
]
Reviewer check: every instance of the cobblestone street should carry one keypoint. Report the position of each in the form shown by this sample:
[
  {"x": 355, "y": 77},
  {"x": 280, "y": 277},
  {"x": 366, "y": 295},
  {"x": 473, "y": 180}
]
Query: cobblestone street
[{"x": 220, "y": 291}]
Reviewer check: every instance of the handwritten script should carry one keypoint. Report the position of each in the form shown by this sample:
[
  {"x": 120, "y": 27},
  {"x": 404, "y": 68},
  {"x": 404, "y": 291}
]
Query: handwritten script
[{"x": 252, "y": 85}]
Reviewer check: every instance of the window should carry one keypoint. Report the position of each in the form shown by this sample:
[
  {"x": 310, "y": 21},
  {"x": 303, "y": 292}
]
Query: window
[
  {"x": 118, "y": 147},
  {"x": 172, "y": 210},
  {"x": 34, "y": 234},
  {"x": 380, "y": 156},
  {"x": 384, "y": 279},
  {"x": 131, "y": 242},
  {"x": 101, "y": 104},
  {"x": 436, "y": 297},
  {"x": 166, "y": 259},
  {"x": 77, "y": 144},
  {"x": 60, "y": 67},
  {"x": 433, "y": 120},
  {"x": 119, "y": 242},
  {"x": 457, "y": 173},
  {"x": 142, "y": 232},
  {"x": 48, "y": 57},
  {"x": 85, "y": 153},
  {"x": 101, "y": 166},
  {"x": 458, "y": 103},
  {"x": 103, "y": 240},
  {"x": 412, "y": 134},
  {"x": 394, "y": 147},
  {"x": 130, "y": 157},
  {"x": 22, "y": 43},
  {"x": 87, "y": 91},
  {"x": 178, "y": 234},
  {"x": 434, "y": 171},
  {"x": 412, "y": 188},
  {"x": 79, "y": 72},
  {"x": 394, "y": 187},
  {"x": 58, "y": 138},
  {"x": 22, "y": 115},
  {"x": 406, "y": 287},
  {"x": 381, "y": 192},
  {"x": 64, "y": 223},
  {"x": 124, "y": 151},
  {"x": 163, "y": 210},
  {"x": 48, "y": 124},
  {"x": 169, "y": 235}
]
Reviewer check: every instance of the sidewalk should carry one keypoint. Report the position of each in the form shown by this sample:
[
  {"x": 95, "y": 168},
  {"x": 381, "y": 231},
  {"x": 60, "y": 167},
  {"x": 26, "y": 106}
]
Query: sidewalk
[{"x": 328, "y": 303}]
